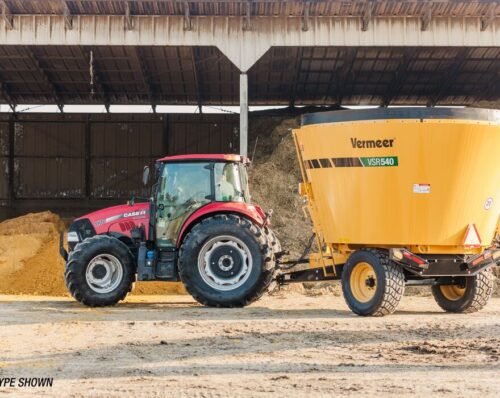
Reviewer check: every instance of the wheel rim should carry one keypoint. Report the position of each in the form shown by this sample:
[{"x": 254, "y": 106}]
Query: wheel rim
[
  {"x": 104, "y": 273},
  {"x": 363, "y": 282},
  {"x": 452, "y": 292},
  {"x": 225, "y": 263}
]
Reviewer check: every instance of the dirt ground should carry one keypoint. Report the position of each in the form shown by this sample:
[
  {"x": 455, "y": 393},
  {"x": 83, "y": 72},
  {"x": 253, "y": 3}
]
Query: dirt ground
[{"x": 289, "y": 344}]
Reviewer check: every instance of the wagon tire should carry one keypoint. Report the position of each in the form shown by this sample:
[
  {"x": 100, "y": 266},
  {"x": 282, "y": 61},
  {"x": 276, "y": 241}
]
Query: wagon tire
[
  {"x": 471, "y": 295},
  {"x": 372, "y": 285}
]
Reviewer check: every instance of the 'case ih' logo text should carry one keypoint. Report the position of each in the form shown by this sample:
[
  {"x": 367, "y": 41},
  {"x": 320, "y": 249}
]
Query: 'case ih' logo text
[
  {"x": 134, "y": 213},
  {"x": 371, "y": 143}
]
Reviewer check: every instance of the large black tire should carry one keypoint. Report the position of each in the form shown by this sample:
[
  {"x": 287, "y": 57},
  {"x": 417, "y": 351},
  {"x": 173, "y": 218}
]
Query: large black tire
[
  {"x": 471, "y": 295},
  {"x": 273, "y": 240},
  {"x": 371, "y": 283},
  {"x": 205, "y": 280},
  {"x": 107, "y": 249}
]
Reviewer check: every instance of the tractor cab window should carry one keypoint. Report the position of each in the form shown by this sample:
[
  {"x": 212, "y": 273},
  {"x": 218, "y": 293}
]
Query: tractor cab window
[
  {"x": 183, "y": 188},
  {"x": 229, "y": 184}
]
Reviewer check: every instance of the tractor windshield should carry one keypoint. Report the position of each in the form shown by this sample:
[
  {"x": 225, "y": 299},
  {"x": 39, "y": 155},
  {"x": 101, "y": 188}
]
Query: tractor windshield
[{"x": 231, "y": 184}]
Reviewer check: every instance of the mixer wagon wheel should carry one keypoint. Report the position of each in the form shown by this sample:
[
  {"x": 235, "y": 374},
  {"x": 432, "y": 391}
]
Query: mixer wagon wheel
[
  {"x": 226, "y": 261},
  {"x": 371, "y": 283},
  {"x": 470, "y": 295}
]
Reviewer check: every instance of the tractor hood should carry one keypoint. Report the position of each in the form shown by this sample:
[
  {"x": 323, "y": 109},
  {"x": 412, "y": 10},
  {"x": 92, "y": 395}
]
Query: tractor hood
[{"x": 120, "y": 219}]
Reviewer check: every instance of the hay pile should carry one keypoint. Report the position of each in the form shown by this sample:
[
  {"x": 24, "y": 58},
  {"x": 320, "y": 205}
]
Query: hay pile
[{"x": 274, "y": 180}]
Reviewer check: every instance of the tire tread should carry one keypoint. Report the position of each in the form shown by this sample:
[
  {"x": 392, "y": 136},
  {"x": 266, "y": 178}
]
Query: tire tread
[
  {"x": 76, "y": 261},
  {"x": 266, "y": 276}
]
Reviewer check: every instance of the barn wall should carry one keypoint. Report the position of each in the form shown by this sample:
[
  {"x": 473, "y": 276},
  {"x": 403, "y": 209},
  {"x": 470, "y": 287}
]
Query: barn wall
[{"x": 72, "y": 163}]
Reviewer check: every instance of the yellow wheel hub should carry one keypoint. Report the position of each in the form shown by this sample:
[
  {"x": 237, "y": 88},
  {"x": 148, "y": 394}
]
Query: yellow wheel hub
[
  {"x": 452, "y": 292},
  {"x": 363, "y": 282}
]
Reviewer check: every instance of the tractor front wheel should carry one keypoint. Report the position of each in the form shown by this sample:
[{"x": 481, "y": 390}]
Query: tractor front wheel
[
  {"x": 226, "y": 261},
  {"x": 100, "y": 271},
  {"x": 470, "y": 294},
  {"x": 371, "y": 283}
]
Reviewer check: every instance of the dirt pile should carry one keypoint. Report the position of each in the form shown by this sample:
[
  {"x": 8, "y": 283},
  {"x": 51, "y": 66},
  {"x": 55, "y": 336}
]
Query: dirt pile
[{"x": 30, "y": 261}]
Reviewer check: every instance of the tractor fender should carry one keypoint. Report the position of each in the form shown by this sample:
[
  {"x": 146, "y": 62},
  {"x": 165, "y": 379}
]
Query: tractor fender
[{"x": 253, "y": 213}]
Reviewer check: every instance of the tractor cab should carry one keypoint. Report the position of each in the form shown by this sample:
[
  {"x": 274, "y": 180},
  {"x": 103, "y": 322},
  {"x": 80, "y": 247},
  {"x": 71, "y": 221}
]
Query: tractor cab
[{"x": 186, "y": 184}]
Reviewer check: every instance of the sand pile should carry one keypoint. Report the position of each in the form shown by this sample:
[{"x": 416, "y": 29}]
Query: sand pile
[{"x": 30, "y": 261}]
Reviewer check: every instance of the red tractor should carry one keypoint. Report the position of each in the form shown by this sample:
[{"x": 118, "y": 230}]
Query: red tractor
[{"x": 198, "y": 227}]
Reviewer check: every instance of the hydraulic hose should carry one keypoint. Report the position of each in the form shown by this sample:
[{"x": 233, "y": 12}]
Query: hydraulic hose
[{"x": 306, "y": 251}]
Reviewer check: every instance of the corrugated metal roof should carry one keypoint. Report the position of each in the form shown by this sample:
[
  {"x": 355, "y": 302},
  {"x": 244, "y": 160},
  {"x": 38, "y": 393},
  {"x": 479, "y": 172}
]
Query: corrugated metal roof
[
  {"x": 292, "y": 75},
  {"x": 302, "y": 76},
  {"x": 258, "y": 7}
]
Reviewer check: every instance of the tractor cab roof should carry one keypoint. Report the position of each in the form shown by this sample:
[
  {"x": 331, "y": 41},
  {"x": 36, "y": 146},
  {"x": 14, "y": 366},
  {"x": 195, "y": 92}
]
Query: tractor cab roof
[{"x": 205, "y": 157}]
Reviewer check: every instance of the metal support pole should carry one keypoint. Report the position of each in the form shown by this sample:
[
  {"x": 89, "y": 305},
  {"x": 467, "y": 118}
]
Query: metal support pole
[
  {"x": 88, "y": 160},
  {"x": 244, "y": 114},
  {"x": 11, "y": 163}
]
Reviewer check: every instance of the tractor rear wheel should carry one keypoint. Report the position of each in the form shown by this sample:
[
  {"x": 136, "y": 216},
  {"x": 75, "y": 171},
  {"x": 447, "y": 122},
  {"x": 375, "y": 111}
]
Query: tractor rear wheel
[
  {"x": 226, "y": 261},
  {"x": 371, "y": 283},
  {"x": 273, "y": 240},
  {"x": 470, "y": 295},
  {"x": 100, "y": 271}
]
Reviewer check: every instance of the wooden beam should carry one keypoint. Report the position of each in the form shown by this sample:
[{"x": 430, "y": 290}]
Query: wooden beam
[
  {"x": 487, "y": 19},
  {"x": 426, "y": 18},
  {"x": 187, "y": 17},
  {"x": 367, "y": 16},
  {"x": 346, "y": 75},
  {"x": 97, "y": 82},
  {"x": 247, "y": 22},
  {"x": 399, "y": 77},
  {"x": 305, "y": 16},
  {"x": 197, "y": 79},
  {"x": 449, "y": 77},
  {"x": 6, "y": 15},
  {"x": 129, "y": 25},
  {"x": 147, "y": 80},
  {"x": 298, "y": 63},
  {"x": 5, "y": 93},
  {"x": 68, "y": 17},
  {"x": 490, "y": 91},
  {"x": 41, "y": 69}
]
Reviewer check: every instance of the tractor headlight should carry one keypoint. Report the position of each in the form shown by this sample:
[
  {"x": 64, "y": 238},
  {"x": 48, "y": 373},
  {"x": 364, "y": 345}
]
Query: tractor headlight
[{"x": 73, "y": 237}]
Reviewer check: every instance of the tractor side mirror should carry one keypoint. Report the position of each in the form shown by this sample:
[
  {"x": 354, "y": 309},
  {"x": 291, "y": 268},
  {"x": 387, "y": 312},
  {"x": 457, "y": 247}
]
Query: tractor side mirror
[{"x": 145, "y": 175}]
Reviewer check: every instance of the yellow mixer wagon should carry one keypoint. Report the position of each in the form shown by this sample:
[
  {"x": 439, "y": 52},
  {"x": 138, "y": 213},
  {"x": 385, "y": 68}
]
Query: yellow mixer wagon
[{"x": 402, "y": 196}]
